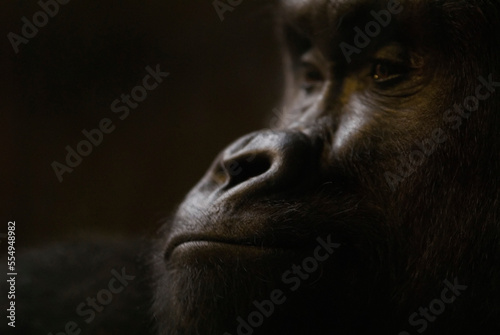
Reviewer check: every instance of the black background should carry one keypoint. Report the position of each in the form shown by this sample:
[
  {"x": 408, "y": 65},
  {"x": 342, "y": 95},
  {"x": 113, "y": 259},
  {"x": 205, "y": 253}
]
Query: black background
[{"x": 225, "y": 79}]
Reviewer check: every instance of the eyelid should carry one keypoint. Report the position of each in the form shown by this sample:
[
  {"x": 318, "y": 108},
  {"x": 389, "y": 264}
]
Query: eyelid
[
  {"x": 401, "y": 69},
  {"x": 310, "y": 70},
  {"x": 394, "y": 52},
  {"x": 309, "y": 59},
  {"x": 316, "y": 59},
  {"x": 398, "y": 54},
  {"x": 396, "y": 63}
]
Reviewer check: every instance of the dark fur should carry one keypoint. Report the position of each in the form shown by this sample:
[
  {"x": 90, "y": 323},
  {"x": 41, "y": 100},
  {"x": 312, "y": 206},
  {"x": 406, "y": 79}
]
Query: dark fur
[{"x": 52, "y": 281}]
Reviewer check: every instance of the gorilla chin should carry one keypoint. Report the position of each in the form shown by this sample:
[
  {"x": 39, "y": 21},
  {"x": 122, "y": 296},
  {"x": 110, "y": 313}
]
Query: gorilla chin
[
  {"x": 231, "y": 275},
  {"x": 299, "y": 229}
]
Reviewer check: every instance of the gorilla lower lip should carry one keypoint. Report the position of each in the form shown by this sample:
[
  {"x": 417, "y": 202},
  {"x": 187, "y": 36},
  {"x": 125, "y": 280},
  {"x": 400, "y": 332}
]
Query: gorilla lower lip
[
  {"x": 205, "y": 243},
  {"x": 233, "y": 248},
  {"x": 230, "y": 247}
]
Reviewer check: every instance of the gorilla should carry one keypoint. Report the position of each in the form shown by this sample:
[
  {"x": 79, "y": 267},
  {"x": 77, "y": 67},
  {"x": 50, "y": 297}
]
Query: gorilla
[{"x": 372, "y": 207}]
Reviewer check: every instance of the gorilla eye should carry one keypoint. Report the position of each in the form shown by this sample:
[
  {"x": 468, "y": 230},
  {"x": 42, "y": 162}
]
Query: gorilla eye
[
  {"x": 387, "y": 71},
  {"x": 311, "y": 76}
]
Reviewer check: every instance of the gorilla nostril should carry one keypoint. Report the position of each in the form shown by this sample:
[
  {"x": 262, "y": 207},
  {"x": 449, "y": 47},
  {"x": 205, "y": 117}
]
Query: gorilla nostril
[
  {"x": 266, "y": 161},
  {"x": 243, "y": 168}
]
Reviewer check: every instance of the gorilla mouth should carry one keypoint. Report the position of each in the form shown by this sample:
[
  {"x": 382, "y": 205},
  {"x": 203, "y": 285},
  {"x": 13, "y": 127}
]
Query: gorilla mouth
[
  {"x": 192, "y": 243},
  {"x": 204, "y": 243}
]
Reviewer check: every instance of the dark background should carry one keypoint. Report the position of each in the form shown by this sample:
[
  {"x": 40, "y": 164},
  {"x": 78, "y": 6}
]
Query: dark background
[{"x": 224, "y": 81}]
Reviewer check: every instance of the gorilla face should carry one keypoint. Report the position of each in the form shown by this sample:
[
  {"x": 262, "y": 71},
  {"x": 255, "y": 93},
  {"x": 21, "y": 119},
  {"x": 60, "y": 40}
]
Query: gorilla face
[{"x": 379, "y": 184}]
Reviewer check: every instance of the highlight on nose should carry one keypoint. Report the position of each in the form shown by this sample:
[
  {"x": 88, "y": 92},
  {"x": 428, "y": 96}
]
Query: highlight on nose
[{"x": 266, "y": 159}]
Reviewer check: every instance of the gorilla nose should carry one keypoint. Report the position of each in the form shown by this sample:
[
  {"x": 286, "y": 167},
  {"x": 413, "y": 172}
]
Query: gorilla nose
[{"x": 270, "y": 161}]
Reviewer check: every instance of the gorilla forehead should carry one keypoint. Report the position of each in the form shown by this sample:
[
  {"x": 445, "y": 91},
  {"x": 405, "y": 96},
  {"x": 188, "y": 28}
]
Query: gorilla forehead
[
  {"x": 318, "y": 16},
  {"x": 327, "y": 12}
]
